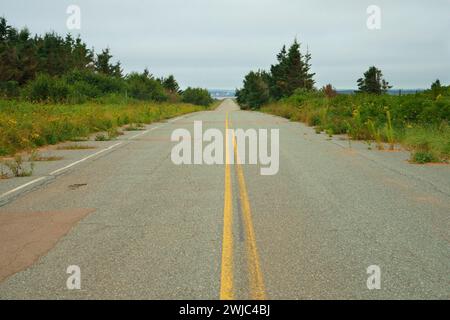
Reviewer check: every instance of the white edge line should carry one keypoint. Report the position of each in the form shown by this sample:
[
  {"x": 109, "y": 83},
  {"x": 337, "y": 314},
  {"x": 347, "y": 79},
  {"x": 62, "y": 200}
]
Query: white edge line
[
  {"x": 59, "y": 170},
  {"x": 139, "y": 134},
  {"x": 142, "y": 133},
  {"x": 176, "y": 119},
  {"x": 84, "y": 159},
  {"x": 71, "y": 165},
  {"x": 22, "y": 186}
]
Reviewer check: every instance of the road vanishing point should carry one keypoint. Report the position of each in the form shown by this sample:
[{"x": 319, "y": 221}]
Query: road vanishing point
[{"x": 140, "y": 227}]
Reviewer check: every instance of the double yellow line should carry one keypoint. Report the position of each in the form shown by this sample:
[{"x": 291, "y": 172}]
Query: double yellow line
[
  {"x": 226, "y": 278},
  {"x": 256, "y": 281}
]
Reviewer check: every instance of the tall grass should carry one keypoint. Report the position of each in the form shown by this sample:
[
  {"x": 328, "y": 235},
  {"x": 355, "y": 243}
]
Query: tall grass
[
  {"x": 419, "y": 122},
  {"x": 26, "y": 125}
]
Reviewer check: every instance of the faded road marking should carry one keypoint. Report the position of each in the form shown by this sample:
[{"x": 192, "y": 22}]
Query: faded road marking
[
  {"x": 21, "y": 187},
  {"x": 256, "y": 280},
  {"x": 144, "y": 132},
  {"x": 53, "y": 173},
  {"x": 58, "y": 171},
  {"x": 226, "y": 279},
  {"x": 84, "y": 159}
]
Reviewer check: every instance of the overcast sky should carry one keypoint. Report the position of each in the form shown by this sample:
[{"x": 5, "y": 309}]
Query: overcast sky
[{"x": 214, "y": 43}]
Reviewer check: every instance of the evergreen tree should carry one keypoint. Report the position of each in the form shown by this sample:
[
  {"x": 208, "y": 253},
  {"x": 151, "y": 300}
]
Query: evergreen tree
[
  {"x": 255, "y": 91},
  {"x": 52, "y": 67},
  {"x": 82, "y": 57},
  {"x": 307, "y": 75},
  {"x": 18, "y": 60},
  {"x": 278, "y": 81},
  {"x": 436, "y": 89},
  {"x": 103, "y": 64},
  {"x": 170, "y": 84},
  {"x": 292, "y": 72},
  {"x": 295, "y": 71},
  {"x": 4, "y": 29},
  {"x": 373, "y": 82}
]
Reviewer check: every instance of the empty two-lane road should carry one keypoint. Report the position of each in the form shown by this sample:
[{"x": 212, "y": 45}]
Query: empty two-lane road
[{"x": 146, "y": 228}]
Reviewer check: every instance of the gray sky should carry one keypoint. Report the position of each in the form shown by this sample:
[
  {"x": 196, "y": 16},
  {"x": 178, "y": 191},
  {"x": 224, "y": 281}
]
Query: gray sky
[{"x": 213, "y": 44}]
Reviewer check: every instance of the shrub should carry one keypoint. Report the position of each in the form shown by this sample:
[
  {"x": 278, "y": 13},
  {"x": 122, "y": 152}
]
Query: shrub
[
  {"x": 101, "y": 137},
  {"x": 17, "y": 167},
  {"x": 92, "y": 84},
  {"x": 144, "y": 87},
  {"x": 329, "y": 91},
  {"x": 197, "y": 96},
  {"x": 46, "y": 88},
  {"x": 424, "y": 157},
  {"x": 9, "y": 89}
]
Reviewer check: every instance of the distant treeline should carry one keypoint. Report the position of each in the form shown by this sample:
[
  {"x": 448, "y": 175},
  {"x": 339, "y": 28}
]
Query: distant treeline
[
  {"x": 52, "y": 68},
  {"x": 292, "y": 74},
  {"x": 419, "y": 120}
]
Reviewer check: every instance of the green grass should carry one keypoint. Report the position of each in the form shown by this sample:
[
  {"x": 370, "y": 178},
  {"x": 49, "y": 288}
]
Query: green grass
[
  {"x": 135, "y": 127},
  {"x": 419, "y": 122},
  {"x": 423, "y": 157},
  {"x": 17, "y": 167},
  {"x": 102, "y": 137},
  {"x": 26, "y": 126},
  {"x": 429, "y": 144}
]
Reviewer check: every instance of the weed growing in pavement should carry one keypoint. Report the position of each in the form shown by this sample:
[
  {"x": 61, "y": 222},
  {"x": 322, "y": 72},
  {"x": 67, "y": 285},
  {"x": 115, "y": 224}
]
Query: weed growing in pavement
[
  {"x": 36, "y": 157},
  {"x": 3, "y": 174},
  {"x": 422, "y": 157},
  {"x": 135, "y": 127},
  {"x": 17, "y": 167},
  {"x": 376, "y": 134},
  {"x": 102, "y": 137},
  {"x": 390, "y": 131}
]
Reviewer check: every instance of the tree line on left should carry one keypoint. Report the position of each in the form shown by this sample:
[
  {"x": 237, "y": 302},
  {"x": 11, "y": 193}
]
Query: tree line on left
[{"x": 56, "y": 69}]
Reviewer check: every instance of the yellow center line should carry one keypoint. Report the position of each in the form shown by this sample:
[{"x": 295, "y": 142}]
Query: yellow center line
[
  {"x": 226, "y": 278},
  {"x": 256, "y": 280}
]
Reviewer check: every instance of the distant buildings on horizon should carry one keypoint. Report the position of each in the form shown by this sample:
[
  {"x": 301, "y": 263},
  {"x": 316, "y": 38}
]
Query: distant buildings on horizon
[
  {"x": 224, "y": 93},
  {"x": 221, "y": 93},
  {"x": 393, "y": 92}
]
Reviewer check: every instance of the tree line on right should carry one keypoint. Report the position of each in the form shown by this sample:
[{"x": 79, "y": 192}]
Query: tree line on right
[
  {"x": 291, "y": 73},
  {"x": 418, "y": 122}
]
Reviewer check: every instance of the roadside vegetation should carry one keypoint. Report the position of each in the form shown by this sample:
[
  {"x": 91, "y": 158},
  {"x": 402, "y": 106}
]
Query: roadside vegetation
[
  {"x": 420, "y": 121},
  {"x": 25, "y": 125},
  {"x": 55, "y": 88}
]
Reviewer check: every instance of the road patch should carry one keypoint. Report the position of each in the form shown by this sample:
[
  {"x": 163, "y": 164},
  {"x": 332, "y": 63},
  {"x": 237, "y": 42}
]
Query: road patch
[{"x": 26, "y": 236}]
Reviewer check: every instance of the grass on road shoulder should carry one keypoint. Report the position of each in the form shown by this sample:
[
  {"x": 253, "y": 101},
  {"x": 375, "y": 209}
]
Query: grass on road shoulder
[
  {"x": 25, "y": 126},
  {"x": 418, "y": 122}
]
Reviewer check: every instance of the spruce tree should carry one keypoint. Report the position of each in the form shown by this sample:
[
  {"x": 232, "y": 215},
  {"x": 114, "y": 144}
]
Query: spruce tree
[
  {"x": 170, "y": 84},
  {"x": 436, "y": 89},
  {"x": 307, "y": 75},
  {"x": 278, "y": 73},
  {"x": 373, "y": 82},
  {"x": 103, "y": 64},
  {"x": 292, "y": 72},
  {"x": 296, "y": 69}
]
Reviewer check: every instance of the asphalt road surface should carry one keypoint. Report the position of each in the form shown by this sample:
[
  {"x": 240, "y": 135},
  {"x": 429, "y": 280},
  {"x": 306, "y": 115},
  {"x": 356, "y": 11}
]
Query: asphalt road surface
[{"x": 145, "y": 228}]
